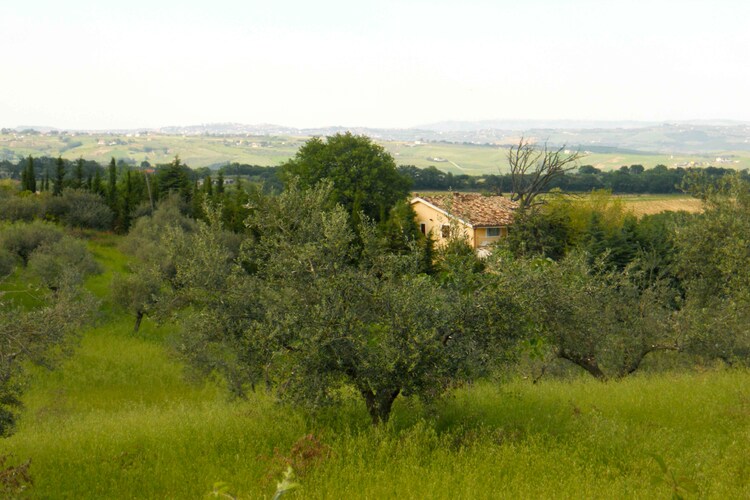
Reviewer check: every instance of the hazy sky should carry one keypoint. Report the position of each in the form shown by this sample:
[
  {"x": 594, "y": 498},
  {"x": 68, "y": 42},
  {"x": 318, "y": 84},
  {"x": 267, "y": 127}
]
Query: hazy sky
[{"x": 127, "y": 64}]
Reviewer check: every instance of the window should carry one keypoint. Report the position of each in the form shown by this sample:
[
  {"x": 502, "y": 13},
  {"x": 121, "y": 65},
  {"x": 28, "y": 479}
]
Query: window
[
  {"x": 423, "y": 228},
  {"x": 445, "y": 231},
  {"x": 493, "y": 231}
]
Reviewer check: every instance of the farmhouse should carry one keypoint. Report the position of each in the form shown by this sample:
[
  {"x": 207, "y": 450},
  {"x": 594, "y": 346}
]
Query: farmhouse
[{"x": 481, "y": 219}]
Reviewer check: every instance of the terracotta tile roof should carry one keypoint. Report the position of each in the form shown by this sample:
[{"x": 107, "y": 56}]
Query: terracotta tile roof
[{"x": 475, "y": 208}]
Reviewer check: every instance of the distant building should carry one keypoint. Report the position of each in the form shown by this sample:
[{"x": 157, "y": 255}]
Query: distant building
[{"x": 481, "y": 219}]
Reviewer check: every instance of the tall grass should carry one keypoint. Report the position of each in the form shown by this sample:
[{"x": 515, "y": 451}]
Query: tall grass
[{"x": 120, "y": 420}]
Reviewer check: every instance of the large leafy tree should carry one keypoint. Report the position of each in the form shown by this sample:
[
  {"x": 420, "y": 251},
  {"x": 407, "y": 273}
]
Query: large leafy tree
[
  {"x": 173, "y": 178},
  {"x": 363, "y": 174}
]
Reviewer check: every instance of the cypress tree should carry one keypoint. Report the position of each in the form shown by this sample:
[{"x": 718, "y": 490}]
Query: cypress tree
[
  {"x": 96, "y": 184},
  {"x": 595, "y": 238},
  {"x": 126, "y": 203},
  {"x": 220, "y": 183},
  {"x": 78, "y": 179},
  {"x": 25, "y": 179},
  {"x": 208, "y": 186},
  {"x": 112, "y": 185},
  {"x": 59, "y": 176},
  {"x": 196, "y": 201},
  {"x": 30, "y": 176}
]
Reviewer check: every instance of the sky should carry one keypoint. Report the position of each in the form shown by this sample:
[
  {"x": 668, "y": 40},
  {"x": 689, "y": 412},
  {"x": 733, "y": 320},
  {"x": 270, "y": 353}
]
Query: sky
[{"x": 146, "y": 64}]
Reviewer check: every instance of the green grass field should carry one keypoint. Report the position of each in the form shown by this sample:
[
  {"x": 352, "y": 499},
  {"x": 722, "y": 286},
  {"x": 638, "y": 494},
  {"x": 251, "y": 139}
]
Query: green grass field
[
  {"x": 200, "y": 151},
  {"x": 120, "y": 419}
]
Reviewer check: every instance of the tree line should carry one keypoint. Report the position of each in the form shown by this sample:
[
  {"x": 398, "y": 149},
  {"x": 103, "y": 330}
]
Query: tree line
[
  {"x": 54, "y": 174},
  {"x": 85, "y": 194},
  {"x": 633, "y": 179}
]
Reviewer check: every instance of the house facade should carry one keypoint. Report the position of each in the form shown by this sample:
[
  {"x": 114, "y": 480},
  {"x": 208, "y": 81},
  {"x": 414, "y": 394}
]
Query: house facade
[{"x": 481, "y": 219}]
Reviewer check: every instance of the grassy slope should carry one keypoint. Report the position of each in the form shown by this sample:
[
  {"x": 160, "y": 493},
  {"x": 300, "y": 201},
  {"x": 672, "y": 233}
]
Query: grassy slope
[{"x": 118, "y": 420}]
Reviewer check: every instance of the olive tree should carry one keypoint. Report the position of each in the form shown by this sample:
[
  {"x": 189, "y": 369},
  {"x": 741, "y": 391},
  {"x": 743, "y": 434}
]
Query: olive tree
[
  {"x": 309, "y": 307},
  {"x": 137, "y": 292},
  {"x": 597, "y": 318},
  {"x": 147, "y": 237},
  {"x": 7, "y": 263},
  {"x": 40, "y": 336},
  {"x": 712, "y": 261},
  {"x": 22, "y": 239},
  {"x": 66, "y": 261}
]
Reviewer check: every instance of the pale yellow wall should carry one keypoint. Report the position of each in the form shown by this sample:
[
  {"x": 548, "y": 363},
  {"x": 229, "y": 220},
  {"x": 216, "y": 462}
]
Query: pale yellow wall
[
  {"x": 434, "y": 220},
  {"x": 481, "y": 238}
]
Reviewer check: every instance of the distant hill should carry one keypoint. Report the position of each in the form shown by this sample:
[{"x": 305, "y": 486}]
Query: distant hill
[
  {"x": 467, "y": 149},
  {"x": 628, "y": 136},
  {"x": 517, "y": 125}
]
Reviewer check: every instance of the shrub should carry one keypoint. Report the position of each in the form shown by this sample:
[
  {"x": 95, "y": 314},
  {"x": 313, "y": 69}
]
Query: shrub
[
  {"x": 86, "y": 210},
  {"x": 21, "y": 208},
  {"x": 7, "y": 262},
  {"x": 66, "y": 261},
  {"x": 22, "y": 239}
]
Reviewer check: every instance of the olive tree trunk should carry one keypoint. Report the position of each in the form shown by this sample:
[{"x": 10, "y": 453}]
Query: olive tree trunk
[{"x": 379, "y": 405}]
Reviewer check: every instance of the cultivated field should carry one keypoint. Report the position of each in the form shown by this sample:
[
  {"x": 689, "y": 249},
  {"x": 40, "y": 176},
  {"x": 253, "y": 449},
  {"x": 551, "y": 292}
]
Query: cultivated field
[
  {"x": 120, "y": 420},
  {"x": 201, "y": 151},
  {"x": 648, "y": 204}
]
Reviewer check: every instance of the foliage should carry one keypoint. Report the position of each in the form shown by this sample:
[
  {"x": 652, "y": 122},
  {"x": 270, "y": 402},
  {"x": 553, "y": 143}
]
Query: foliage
[
  {"x": 40, "y": 336},
  {"x": 137, "y": 292},
  {"x": 23, "y": 207},
  {"x": 598, "y": 318},
  {"x": 146, "y": 239},
  {"x": 22, "y": 239},
  {"x": 267, "y": 177},
  {"x": 127, "y": 424},
  {"x": 712, "y": 261},
  {"x": 59, "y": 176},
  {"x": 28, "y": 178},
  {"x": 539, "y": 232},
  {"x": 681, "y": 486},
  {"x": 363, "y": 174},
  {"x": 80, "y": 209},
  {"x": 400, "y": 231},
  {"x": 314, "y": 308},
  {"x": 656, "y": 180},
  {"x": 173, "y": 178},
  {"x": 599, "y": 225},
  {"x": 7, "y": 263},
  {"x": 63, "y": 262}
]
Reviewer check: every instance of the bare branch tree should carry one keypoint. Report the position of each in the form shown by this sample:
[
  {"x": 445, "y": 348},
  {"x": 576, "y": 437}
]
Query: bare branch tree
[{"x": 532, "y": 168}]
